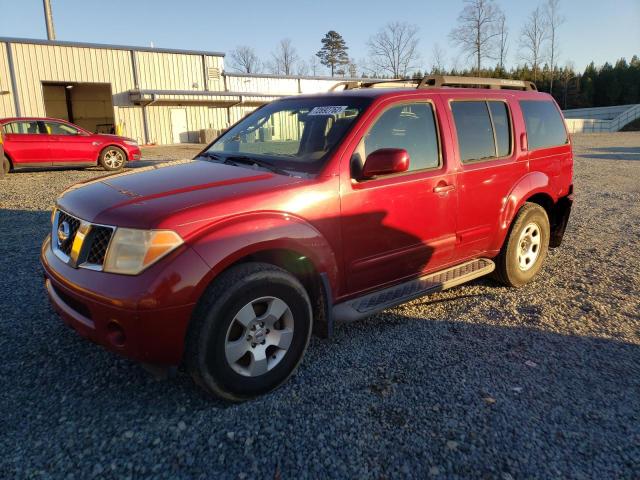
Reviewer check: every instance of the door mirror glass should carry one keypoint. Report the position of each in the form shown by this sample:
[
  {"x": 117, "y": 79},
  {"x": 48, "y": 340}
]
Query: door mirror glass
[{"x": 386, "y": 161}]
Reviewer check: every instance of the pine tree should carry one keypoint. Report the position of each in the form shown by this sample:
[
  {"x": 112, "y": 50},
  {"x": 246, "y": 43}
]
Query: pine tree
[{"x": 334, "y": 51}]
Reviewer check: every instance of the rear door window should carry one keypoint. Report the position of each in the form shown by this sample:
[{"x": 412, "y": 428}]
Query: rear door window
[
  {"x": 545, "y": 127},
  {"x": 24, "y": 128},
  {"x": 483, "y": 128}
]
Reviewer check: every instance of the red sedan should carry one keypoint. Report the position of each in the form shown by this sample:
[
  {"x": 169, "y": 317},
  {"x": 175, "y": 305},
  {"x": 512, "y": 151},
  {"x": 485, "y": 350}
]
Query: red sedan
[{"x": 49, "y": 142}]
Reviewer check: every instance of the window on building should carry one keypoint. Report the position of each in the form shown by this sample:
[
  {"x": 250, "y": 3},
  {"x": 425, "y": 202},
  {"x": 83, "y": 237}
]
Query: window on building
[
  {"x": 411, "y": 127},
  {"x": 545, "y": 127},
  {"x": 483, "y": 128}
]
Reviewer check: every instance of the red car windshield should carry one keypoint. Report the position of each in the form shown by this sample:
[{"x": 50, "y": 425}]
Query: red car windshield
[{"x": 295, "y": 134}]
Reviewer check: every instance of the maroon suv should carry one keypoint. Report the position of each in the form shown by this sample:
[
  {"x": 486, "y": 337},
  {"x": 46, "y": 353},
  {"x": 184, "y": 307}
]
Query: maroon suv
[{"x": 313, "y": 209}]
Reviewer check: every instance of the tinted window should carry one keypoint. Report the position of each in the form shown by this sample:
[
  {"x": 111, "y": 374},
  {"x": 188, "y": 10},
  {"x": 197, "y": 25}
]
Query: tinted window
[
  {"x": 475, "y": 135},
  {"x": 408, "y": 126},
  {"x": 500, "y": 117},
  {"x": 545, "y": 127},
  {"x": 54, "y": 128},
  {"x": 23, "y": 128}
]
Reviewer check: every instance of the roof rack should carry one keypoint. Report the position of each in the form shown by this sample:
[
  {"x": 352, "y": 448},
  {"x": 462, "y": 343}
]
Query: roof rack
[{"x": 439, "y": 81}]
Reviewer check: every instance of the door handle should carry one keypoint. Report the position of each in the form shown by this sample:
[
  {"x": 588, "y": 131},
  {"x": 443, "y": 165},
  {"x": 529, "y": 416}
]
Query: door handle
[{"x": 443, "y": 188}]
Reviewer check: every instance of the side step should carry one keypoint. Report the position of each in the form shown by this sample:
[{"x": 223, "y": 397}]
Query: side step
[{"x": 371, "y": 303}]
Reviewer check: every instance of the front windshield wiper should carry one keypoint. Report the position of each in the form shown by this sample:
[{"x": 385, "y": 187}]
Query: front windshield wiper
[{"x": 244, "y": 160}]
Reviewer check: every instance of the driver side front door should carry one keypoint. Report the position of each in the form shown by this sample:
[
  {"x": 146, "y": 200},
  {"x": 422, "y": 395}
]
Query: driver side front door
[{"x": 398, "y": 226}]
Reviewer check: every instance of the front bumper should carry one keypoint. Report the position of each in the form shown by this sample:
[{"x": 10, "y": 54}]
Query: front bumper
[
  {"x": 143, "y": 317},
  {"x": 133, "y": 153}
]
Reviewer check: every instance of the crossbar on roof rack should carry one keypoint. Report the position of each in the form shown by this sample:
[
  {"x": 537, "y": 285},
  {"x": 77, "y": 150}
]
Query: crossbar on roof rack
[{"x": 439, "y": 81}]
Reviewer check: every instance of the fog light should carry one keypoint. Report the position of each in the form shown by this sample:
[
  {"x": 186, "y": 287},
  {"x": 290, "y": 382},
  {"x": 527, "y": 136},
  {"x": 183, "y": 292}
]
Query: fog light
[{"x": 115, "y": 334}]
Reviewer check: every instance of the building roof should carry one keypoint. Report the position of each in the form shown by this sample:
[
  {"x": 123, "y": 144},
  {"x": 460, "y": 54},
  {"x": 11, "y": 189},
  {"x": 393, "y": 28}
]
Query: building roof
[{"x": 59, "y": 43}]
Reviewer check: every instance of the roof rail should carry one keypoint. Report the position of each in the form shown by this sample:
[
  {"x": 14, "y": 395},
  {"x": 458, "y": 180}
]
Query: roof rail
[
  {"x": 438, "y": 81},
  {"x": 395, "y": 82}
]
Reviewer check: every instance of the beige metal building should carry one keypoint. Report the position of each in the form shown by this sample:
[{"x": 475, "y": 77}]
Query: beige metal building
[{"x": 154, "y": 95}]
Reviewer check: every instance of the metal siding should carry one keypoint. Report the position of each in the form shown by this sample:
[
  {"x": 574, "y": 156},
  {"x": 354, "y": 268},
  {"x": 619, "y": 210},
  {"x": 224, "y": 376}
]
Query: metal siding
[{"x": 7, "y": 107}]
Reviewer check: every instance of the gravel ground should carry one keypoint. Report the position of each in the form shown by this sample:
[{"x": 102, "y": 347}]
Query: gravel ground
[{"x": 480, "y": 381}]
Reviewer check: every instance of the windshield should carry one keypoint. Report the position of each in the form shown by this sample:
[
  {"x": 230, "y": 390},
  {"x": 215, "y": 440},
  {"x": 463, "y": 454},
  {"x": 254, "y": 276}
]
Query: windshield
[{"x": 295, "y": 134}]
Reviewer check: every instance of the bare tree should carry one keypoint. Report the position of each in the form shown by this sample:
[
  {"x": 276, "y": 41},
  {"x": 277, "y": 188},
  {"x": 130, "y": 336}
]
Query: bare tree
[
  {"x": 503, "y": 41},
  {"x": 438, "y": 59},
  {"x": 302, "y": 68},
  {"x": 244, "y": 59},
  {"x": 393, "y": 50},
  {"x": 554, "y": 21},
  {"x": 284, "y": 58},
  {"x": 314, "y": 65},
  {"x": 532, "y": 38},
  {"x": 477, "y": 30}
]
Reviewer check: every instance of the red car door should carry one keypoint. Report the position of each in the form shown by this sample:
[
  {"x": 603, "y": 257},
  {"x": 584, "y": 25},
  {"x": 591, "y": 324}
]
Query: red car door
[
  {"x": 69, "y": 144},
  {"x": 490, "y": 167},
  {"x": 27, "y": 143},
  {"x": 399, "y": 225}
]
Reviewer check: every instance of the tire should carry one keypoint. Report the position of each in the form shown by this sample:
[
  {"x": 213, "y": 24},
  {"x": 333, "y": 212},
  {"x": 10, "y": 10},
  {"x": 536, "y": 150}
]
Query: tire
[
  {"x": 525, "y": 249},
  {"x": 6, "y": 165},
  {"x": 221, "y": 330},
  {"x": 113, "y": 158}
]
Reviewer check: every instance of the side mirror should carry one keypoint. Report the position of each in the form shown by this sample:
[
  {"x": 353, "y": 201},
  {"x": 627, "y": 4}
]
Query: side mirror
[{"x": 386, "y": 161}]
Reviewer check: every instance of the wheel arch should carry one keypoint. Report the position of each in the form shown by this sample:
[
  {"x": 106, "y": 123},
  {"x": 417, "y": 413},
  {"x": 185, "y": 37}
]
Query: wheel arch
[
  {"x": 8, "y": 157},
  {"x": 282, "y": 240},
  {"x": 535, "y": 187}
]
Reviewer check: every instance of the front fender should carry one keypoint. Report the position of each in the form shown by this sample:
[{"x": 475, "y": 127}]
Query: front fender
[
  {"x": 247, "y": 234},
  {"x": 529, "y": 185}
]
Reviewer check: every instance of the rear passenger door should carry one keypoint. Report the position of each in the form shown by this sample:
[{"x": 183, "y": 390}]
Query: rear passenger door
[
  {"x": 27, "y": 143},
  {"x": 489, "y": 168}
]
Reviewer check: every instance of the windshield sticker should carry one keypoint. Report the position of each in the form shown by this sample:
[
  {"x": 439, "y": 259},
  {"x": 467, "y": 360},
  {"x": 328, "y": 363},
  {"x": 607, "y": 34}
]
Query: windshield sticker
[{"x": 328, "y": 110}]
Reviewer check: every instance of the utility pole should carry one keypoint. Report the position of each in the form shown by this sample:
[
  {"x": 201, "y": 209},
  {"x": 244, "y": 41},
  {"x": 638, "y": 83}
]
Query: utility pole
[{"x": 48, "y": 18}]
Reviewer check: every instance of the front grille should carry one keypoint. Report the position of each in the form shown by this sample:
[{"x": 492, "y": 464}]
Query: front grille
[
  {"x": 93, "y": 247},
  {"x": 100, "y": 238},
  {"x": 74, "y": 225}
]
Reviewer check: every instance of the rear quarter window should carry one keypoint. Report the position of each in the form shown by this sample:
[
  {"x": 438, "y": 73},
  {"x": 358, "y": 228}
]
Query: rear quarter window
[{"x": 545, "y": 127}]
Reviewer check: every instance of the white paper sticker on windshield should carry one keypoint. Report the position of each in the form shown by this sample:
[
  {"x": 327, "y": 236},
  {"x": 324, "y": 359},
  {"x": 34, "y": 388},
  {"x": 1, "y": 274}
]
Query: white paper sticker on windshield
[{"x": 328, "y": 110}]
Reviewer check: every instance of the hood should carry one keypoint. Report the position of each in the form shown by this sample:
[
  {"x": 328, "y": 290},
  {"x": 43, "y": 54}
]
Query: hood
[
  {"x": 145, "y": 197},
  {"x": 108, "y": 136}
]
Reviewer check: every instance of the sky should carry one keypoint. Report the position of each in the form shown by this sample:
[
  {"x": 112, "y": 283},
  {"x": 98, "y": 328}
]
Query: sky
[{"x": 595, "y": 30}]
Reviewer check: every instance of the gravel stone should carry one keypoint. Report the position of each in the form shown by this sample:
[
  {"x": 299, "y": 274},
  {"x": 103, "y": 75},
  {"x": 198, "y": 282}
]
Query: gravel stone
[{"x": 379, "y": 400}]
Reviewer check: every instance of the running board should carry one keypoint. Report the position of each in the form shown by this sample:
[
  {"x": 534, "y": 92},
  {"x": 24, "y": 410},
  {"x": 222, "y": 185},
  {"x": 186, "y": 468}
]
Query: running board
[{"x": 371, "y": 303}]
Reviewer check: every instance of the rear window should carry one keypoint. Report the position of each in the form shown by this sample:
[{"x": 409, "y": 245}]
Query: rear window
[
  {"x": 545, "y": 127},
  {"x": 483, "y": 128},
  {"x": 24, "y": 128}
]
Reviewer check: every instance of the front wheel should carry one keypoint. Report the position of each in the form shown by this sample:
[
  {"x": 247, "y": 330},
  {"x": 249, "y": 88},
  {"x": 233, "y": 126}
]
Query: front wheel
[
  {"x": 249, "y": 332},
  {"x": 526, "y": 247},
  {"x": 112, "y": 159}
]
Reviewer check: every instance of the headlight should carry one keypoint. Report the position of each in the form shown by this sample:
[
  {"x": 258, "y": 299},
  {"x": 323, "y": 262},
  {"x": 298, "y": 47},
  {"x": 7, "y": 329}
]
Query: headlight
[
  {"x": 133, "y": 143},
  {"x": 131, "y": 250}
]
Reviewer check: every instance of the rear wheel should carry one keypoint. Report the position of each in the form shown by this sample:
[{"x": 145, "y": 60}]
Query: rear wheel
[
  {"x": 113, "y": 158},
  {"x": 249, "y": 332},
  {"x": 526, "y": 247}
]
